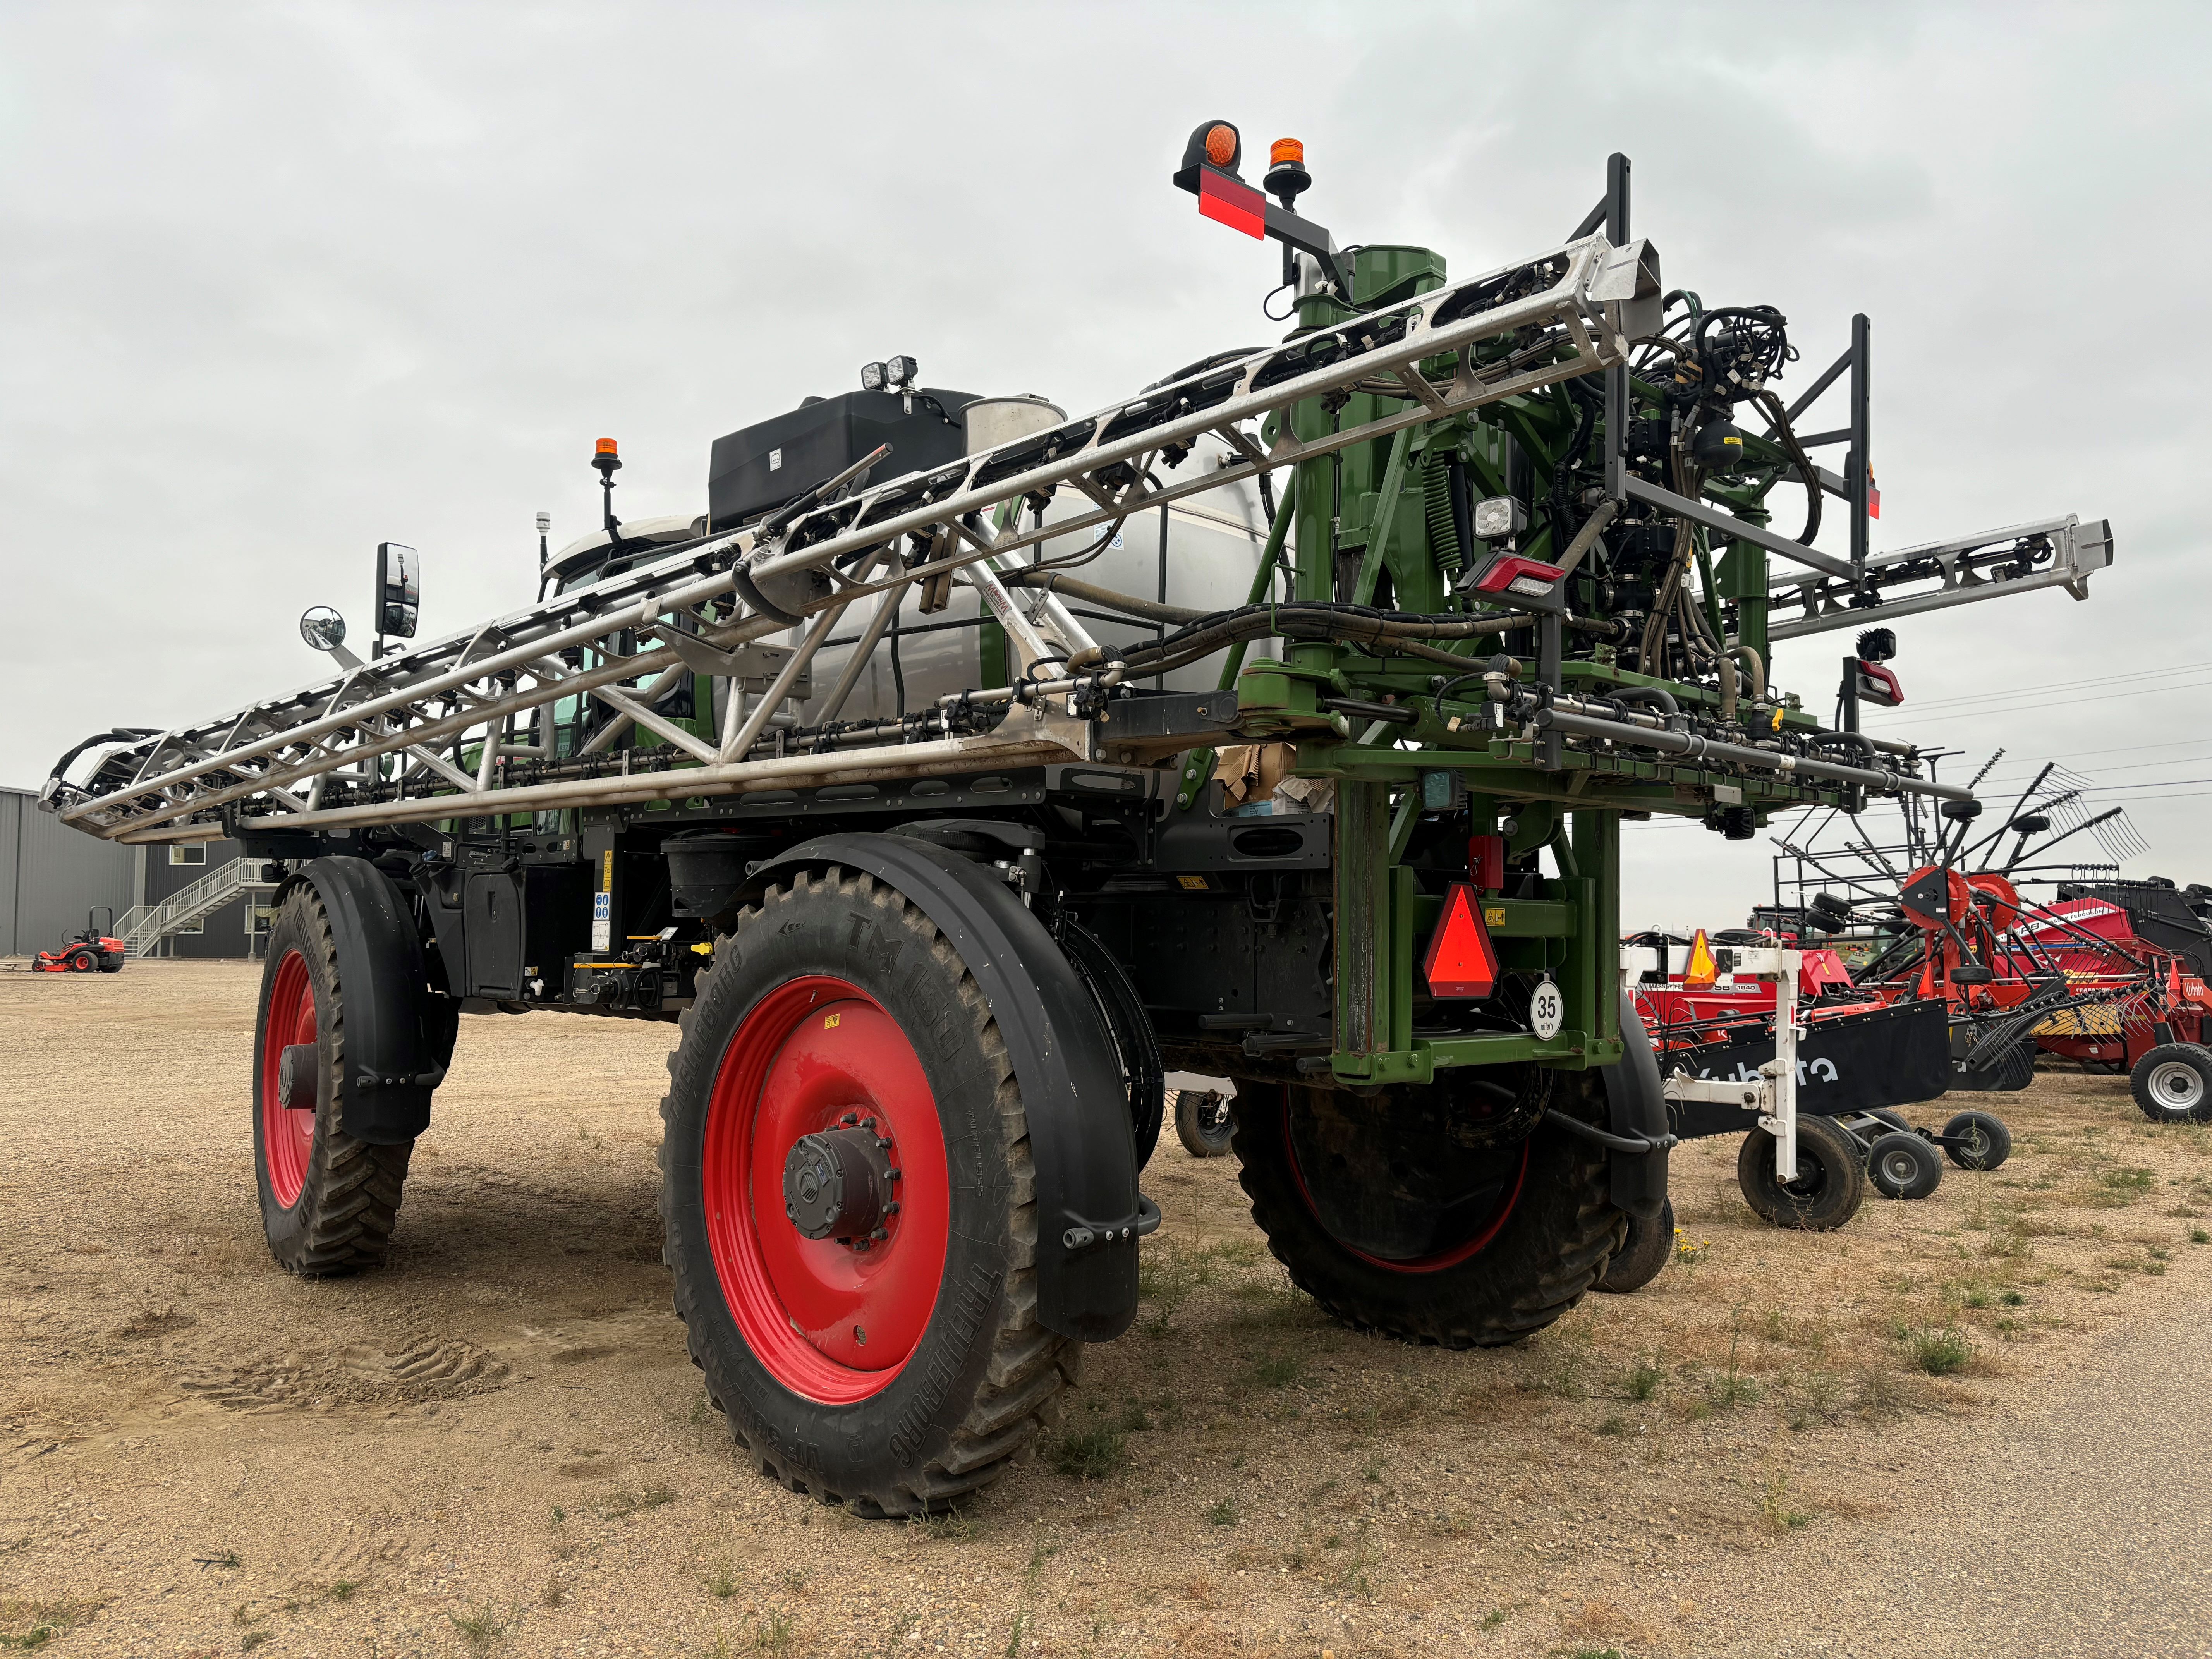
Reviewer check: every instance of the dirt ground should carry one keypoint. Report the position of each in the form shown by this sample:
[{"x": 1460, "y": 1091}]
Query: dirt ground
[{"x": 497, "y": 1444}]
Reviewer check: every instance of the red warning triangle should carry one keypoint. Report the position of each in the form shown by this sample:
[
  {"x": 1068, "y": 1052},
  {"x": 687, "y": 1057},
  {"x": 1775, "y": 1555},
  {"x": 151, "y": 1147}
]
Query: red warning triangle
[{"x": 1461, "y": 960}]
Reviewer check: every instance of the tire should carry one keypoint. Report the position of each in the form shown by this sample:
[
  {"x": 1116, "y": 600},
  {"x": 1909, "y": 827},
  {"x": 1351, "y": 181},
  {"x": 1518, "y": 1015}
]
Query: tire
[
  {"x": 1649, "y": 1248},
  {"x": 1204, "y": 1121},
  {"x": 1891, "y": 1116},
  {"x": 2173, "y": 1084},
  {"x": 112, "y": 964},
  {"x": 1994, "y": 1140},
  {"x": 328, "y": 1201},
  {"x": 1831, "y": 1182},
  {"x": 1903, "y": 1166},
  {"x": 84, "y": 962},
  {"x": 964, "y": 1374},
  {"x": 1462, "y": 1247}
]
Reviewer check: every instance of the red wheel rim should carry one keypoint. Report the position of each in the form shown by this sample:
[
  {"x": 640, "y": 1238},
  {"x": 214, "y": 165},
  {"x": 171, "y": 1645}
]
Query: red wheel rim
[
  {"x": 1435, "y": 1262},
  {"x": 830, "y": 1323},
  {"x": 287, "y": 1134}
]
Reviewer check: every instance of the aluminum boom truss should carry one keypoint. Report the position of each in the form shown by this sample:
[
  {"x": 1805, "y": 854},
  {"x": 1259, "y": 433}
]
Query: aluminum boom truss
[
  {"x": 709, "y": 607},
  {"x": 1936, "y": 575}
]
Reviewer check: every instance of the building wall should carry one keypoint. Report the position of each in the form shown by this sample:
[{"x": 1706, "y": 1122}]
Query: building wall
[
  {"x": 221, "y": 933},
  {"x": 50, "y": 875}
]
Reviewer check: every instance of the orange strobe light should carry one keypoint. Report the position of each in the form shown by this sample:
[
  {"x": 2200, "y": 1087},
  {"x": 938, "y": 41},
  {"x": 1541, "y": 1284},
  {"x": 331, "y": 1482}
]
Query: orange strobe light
[{"x": 1221, "y": 144}]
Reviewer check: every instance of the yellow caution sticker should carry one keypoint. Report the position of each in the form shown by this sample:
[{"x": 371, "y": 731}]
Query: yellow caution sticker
[
  {"x": 830, "y": 1021},
  {"x": 1191, "y": 884},
  {"x": 1494, "y": 915}
]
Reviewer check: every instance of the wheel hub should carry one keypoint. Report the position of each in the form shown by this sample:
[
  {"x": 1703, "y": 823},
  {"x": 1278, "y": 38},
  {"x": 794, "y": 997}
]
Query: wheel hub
[
  {"x": 837, "y": 1184},
  {"x": 296, "y": 1076}
]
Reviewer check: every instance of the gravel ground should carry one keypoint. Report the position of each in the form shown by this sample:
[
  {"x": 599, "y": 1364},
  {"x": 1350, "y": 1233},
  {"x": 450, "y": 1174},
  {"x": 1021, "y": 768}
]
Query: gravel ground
[{"x": 1962, "y": 1426}]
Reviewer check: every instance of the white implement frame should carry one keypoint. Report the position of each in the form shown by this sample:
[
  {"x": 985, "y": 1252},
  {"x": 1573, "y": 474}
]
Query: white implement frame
[{"x": 1773, "y": 1093}]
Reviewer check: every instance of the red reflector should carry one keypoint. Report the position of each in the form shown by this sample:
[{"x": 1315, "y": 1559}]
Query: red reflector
[
  {"x": 1503, "y": 574},
  {"x": 1227, "y": 202},
  {"x": 1461, "y": 961},
  {"x": 1873, "y": 499}
]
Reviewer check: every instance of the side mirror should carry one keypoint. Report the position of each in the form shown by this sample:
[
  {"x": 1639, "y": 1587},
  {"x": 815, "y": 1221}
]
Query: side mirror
[
  {"x": 322, "y": 628},
  {"x": 398, "y": 589}
]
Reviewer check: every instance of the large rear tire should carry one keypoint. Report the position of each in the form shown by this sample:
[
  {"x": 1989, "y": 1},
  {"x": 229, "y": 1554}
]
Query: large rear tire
[
  {"x": 1389, "y": 1213},
  {"x": 890, "y": 1358},
  {"x": 329, "y": 1201}
]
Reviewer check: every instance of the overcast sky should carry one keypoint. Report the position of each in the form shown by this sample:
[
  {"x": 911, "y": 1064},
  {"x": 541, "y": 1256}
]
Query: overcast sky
[{"x": 279, "y": 281}]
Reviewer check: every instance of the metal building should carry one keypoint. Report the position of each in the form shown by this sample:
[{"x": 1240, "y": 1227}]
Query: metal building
[{"x": 51, "y": 876}]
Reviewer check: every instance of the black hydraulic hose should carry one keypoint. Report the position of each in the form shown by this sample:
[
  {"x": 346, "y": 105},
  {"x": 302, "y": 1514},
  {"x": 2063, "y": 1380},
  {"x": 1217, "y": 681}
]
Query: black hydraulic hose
[
  {"x": 1053, "y": 582},
  {"x": 1780, "y": 416}
]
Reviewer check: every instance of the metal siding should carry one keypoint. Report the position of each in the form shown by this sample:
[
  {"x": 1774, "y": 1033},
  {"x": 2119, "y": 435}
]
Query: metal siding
[
  {"x": 58, "y": 873},
  {"x": 12, "y": 807}
]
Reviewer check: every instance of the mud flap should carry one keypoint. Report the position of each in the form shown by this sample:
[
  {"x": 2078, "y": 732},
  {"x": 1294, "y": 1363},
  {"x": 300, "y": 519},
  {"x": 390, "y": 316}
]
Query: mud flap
[
  {"x": 1636, "y": 1109},
  {"x": 1089, "y": 1213},
  {"x": 399, "y": 1033}
]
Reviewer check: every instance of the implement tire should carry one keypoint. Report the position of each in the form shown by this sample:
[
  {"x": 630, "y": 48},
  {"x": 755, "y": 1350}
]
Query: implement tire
[
  {"x": 898, "y": 1369},
  {"x": 2173, "y": 1084},
  {"x": 1430, "y": 1240},
  {"x": 1649, "y": 1248},
  {"x": 329, "y": 1201},
  {"x": 1831, "y": 1183}
]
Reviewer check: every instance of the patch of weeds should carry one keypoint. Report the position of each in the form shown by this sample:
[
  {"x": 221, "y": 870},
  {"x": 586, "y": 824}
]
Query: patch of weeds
[
  {"x": 795, "y": 1578},
  {"x": 722, "y": 1582},
  {"x": 1818, "y": 1396},
  {"x": 2013, "y": 1298},
  {"x": 1940, "y": 1352},
  {"x": 1135, "y": 1419},
  {"x": 1732, "y": 1388},
  {"x": 1014, "y": 1638},
  {"x": 1690, "y": 1251},
  {"x": 221, "y": 1559},
  {"x": 1447, "y": 1523},
  {"x": 481, "y": 1628},
  {"x": 1613, "y": 1426},
  {"x": 1091, "y": 1453},
  {"x": 625, "y": 1500},
  {"x": 2123, "y": 1186},
  {"x": 1373, "y": 1470},
  {"x": 1774, "y": 1509},
  {"x": 342, "y": 1589},
  {"x": 552, "y": 1593},
  {"x": 1561, "y": 1367},
  {"x": 1880, "y": 1392},
  {"x": 772, "y": 1633},
  {"x": 2198, "y": 1235},
  {"x": 946, "y": 1525},
  {"x": 1496, "y": 1617},
  {"x": 1279, "y": 1370},
  {"x": 1166, "y": 1276},
  {"x": 252, "y": 1639},
  {"x": 1644, "y": 1377}
]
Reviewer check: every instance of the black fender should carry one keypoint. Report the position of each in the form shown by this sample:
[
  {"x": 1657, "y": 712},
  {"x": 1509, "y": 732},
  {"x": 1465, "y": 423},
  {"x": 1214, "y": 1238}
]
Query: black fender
[
  {"x": 399, "y": 1033},
  {"x": 1089, "y": 1215},
  {"x": 1636, "y": 1111}
]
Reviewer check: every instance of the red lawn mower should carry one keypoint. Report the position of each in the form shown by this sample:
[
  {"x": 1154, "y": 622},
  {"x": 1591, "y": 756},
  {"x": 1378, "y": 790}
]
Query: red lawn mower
[{"x": 96, "y": 950}]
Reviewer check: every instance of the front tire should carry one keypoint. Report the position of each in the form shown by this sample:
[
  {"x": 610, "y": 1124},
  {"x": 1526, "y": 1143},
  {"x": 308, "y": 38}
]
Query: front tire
[
  {"x": 892, "y": 1365},
  {"x": 1389, "y": 1213},
  {"x": 329, "y": 1201}
]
